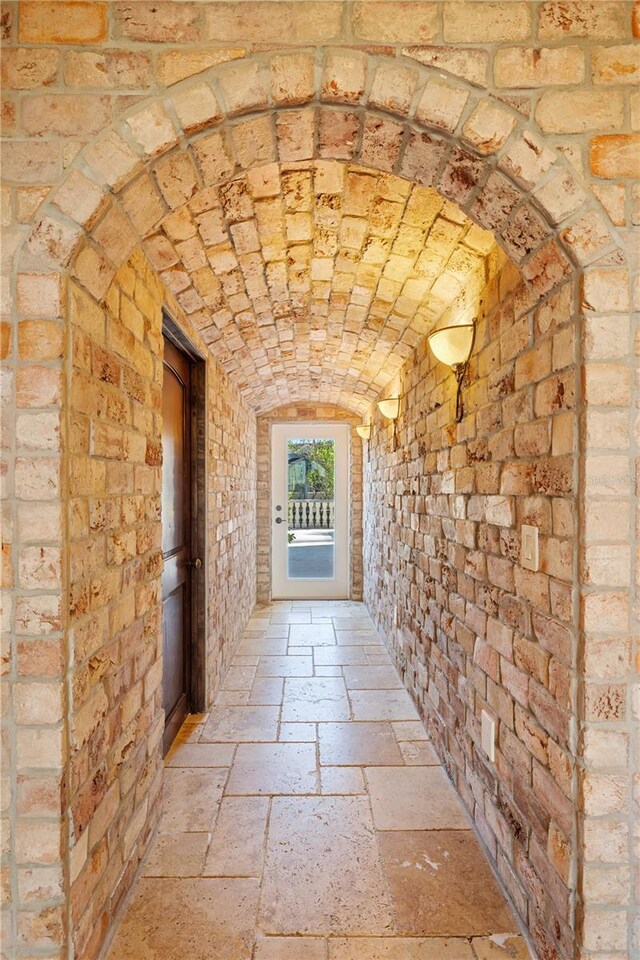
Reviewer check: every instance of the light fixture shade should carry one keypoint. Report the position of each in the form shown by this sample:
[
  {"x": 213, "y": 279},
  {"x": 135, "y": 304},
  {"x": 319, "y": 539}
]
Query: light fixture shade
[
  {"x": 453, "y": 345},
  {"x": 364, "y": 430},
  {"x": 389, "y": 408}
]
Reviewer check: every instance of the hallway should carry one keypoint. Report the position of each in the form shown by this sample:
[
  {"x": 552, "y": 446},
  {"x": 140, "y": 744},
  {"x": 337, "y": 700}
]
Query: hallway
[{"x": 307, "y": 816}]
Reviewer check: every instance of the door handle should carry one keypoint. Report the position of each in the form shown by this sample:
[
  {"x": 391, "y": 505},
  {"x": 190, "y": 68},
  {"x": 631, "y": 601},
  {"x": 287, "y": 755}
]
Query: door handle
[
  {"x": 197, "y": 563},
  {"x": 279, "y": 520}
]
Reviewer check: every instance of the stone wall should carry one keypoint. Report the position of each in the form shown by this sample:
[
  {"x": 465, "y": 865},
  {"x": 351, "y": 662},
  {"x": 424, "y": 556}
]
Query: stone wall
[
  {"x": 469, "y": 627},
  {"x": 115, "y": 670},
  {"x": 309, "y": 413},
  {"x": 96, "y": 94}
]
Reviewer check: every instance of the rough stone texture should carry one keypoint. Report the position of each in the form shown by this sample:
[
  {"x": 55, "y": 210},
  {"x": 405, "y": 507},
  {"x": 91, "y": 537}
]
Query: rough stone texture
[
  {"x": 44, "y": 144},
  {"x": 312, "y": 413},
  {"x": 468, "y": 627}
]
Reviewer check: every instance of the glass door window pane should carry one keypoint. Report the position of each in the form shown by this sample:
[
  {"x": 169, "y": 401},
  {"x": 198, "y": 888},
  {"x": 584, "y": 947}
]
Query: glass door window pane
[{"x": 311, "y": 508}]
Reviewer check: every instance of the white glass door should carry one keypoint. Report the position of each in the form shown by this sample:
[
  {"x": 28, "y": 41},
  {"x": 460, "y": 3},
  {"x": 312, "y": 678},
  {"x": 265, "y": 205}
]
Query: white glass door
[{"x": 310, "y": 511}]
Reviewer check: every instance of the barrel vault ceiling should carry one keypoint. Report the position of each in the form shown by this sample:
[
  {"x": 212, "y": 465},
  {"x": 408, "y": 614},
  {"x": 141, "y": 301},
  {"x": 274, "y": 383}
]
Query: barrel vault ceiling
[{"x": 316, "y": 282}]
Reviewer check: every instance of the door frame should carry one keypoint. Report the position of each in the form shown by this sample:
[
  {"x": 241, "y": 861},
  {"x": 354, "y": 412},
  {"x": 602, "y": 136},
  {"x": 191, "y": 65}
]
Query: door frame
[
  {"x": 197, "y": 640},
  {"x": 342, "y": 588}
]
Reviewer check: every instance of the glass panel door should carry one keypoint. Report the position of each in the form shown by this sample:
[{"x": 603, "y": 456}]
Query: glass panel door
[{"x": 310, "y": 512}]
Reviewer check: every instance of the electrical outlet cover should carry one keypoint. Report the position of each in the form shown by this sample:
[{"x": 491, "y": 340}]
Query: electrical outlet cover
[
  {"x": 488, "y": 735},
  {"x": 529, "y": 552}
]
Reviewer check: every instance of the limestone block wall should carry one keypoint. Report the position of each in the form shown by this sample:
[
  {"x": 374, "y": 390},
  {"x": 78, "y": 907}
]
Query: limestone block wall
[
  {"x": 469, "y": 627},
  {"x": 309, "y": 413},
  {"x": 526, "y": 114}
]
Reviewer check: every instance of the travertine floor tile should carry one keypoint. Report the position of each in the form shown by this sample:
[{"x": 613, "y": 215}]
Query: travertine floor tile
[
  {"x": 271, "y": 768},
  {"x": 200, "y": 755},
  {"x": 198, "y": 919},
  {"x": 372, "y": 678},
  {"x": 410, "y": 730},
  {"x": 290, "y": 948},
  {"x": 358, "y": 744},
  {"x": 414, "y": 798},
  {"x": 419, "y": 753},
  {"x": 316, "y": 699},
  {"x": 441, "y": 884},
  {"x": 237, "y": 844},
  {"x": 382, "y": 705},
  {"x": 285, "y": 667},
  {"x": 315, "y": 635},
  {"x": 338, "y": 656},
  {"x": 267, "y": 690},
  {"x": 239, "y": 678},
  {"x": 191, "y": 798},
  {"x": 341, "y": 780},
  {"x": 263, "y": 647},
  {"x": 357, "y": 638},
  {"x": 176, "y": 855},
  {"x": 400, "y": 948},
  {"x": 298, "y": 732},
  {"x": 236, "y": 724},
  {"x": 322, "y": 872},
  {"x": 244, "y": 794}
]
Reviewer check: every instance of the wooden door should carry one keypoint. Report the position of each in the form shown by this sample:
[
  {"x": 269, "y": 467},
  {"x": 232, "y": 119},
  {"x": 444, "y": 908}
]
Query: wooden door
[{"x": 176, "y": 547}]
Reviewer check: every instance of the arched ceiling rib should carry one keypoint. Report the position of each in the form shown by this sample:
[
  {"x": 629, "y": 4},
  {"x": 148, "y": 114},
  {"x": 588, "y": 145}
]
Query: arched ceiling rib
[{"x": 316, "y": 281}]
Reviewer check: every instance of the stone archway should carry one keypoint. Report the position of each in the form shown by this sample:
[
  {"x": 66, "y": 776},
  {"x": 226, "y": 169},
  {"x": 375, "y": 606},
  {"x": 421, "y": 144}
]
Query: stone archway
[{"x": 385, "y": 114}]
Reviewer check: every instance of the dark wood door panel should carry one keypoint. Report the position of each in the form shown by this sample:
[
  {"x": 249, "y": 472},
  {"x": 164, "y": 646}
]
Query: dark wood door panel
[{"x": 176, "y": 493}]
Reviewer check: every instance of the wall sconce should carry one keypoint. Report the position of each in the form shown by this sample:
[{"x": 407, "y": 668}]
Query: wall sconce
[
  {"x": 391, "y": 410},
  {"x": 453, "y": 345},
  {"x": 364, "y": 430}
]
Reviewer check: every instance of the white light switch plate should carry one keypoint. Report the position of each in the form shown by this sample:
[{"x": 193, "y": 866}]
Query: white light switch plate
[
  {"x": 488, "y": 735},
  {"x": 529, "y": 553}
]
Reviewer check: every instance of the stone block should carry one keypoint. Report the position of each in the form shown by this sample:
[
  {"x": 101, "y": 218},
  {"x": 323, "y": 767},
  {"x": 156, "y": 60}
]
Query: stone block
[
  {"x": 404, "y": 22},
  {"x": 60, "y": 22},
  {"x": 485, "y": 22},
  {"x": 29, "y": 69},
  {"x": 344, "y": 76},
  {"x": 615, "y": 156},
  {"x": 139, "y": 20}
]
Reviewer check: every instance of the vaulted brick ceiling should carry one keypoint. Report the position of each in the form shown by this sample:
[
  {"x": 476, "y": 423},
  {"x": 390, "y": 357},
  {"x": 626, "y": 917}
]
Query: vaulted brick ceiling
[{"x": 316, "y": 281}]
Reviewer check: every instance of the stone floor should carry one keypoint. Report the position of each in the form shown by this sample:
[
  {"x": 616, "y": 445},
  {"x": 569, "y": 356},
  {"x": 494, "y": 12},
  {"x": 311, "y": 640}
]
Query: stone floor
[{"x": 307, "y": 816}]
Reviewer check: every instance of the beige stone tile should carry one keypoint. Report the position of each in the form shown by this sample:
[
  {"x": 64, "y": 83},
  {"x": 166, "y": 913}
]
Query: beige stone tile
[
  {"x": 237, "y": 843},
  {"x": 382, "y": 705},
  {"x": 315, "y": 699},
  {"x": 322, "y": 872},
  {"x": 231, "y": 698},
  {"x": 202, "y": 919},
  {"x": 378, "y": 658},
  {"x": 358, "y": 744},
  {"x": 292, "y": 616},
  {"x": 314, "y": 634},
  {"x": 341, "y": 780},
  {"x": 355, "y": 622},
  {"x": 200, "y": 755},
  {"x": 263, "y": 647},
  {"x": 419, "y": 753},
  {"x": 299, "y": 651},
  {"x": 285, "y": 667},
  {"x": 272, "y": 768},
  {"x": 267, "y": 691},
  {"x": 176, "y": 855},
  {"x": 414, "y": 798},
  {"x": 338, "y": 656},
  {"x": 191, "y": 798},
  {"x": 327, "y": 671},
  {"x": 290, "y": 948},
  {"x": 234, "y": 724},
  {"x": 371, "y": 678},
  {"x": 277, "y": 631},
  {"x": 245, "y": 660},
  {"x": 298, "y": 732},
  {"x": 442, "y": 885},
  {"x": 400, "y": 948},
  {"x": 239, "y": 678},
  {"x": 192, "y": 728},
  {"x": 358, "y": 638},
  {"x": 410, "y": 730},
  {"x": 501, "y": 946}
]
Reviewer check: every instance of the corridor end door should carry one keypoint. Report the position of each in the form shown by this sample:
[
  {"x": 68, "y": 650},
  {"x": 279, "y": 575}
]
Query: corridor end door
[{"x": 310, "y": 511}]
